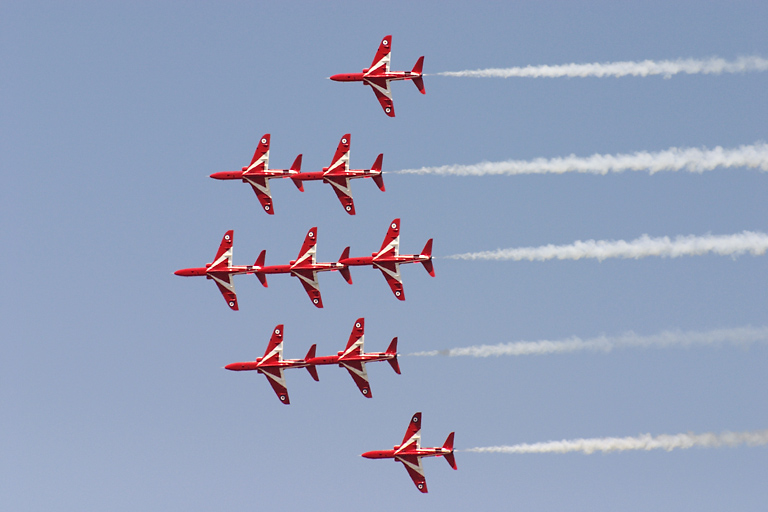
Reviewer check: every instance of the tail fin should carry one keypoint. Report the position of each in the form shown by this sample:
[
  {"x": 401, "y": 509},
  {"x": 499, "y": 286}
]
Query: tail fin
[
  {"x": 448, "y": 445},
  {"x": 419, "y": 81},
  {"x": 344, "y": 271},
  {"x": 296, "y": 166},
  {"x": 418, "y": 66},
  {"x": 299, "y": 183},
  {"x": 312, "y": 369},
  {"x": 427, "y": 251},
  {"x": 392, "y": 349},
  {"x": 260, "y": 259},
  {"x": 377, "y": 167}
]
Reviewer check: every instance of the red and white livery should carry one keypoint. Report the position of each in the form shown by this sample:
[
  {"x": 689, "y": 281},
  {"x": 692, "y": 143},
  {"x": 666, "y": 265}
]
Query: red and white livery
[
  {"x": 221, "y": 270},
  {"x": 353, "y": 358},
  {"x": 410, "y": 453},
  {"x": 338, "y": 174},
  {"x": 304, "y": 267},
  {"x": 378, "y": 76},
  {"x": 388, "y": 260},
  {"x": 272, "y": 364},
  {"x": 258, "y": 174}
]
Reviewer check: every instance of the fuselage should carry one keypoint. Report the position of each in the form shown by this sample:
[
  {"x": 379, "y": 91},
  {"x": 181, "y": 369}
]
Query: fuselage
[
  {"x": 291, "y": 267},
  {"x": 243, "y": 175},
  {"x": 258, "y": 365},
  {"x": 206, "y": 271},
  {"x": 364, "y": 76},
  {"x": 373, "y": 259},
  {"x": 321, "y": 175},
  {"x": 394, "y": 452},
  {"x": 340, "y": 358}
]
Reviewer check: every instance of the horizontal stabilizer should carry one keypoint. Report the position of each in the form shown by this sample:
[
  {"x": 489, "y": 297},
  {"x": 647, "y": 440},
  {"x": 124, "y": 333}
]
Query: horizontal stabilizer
[
  {"x": 419, "y": 83},
  {"x": 427, "y": 251},
  {"x": 392, "y": 349},
  {"x": 448, "y": 445},
  {"x": 262, "y": 279},
  {"x": 299, "y": 184},
  {"x": 312, "y": 369},
  {"x": 296, "y": 166},
  {"x": 378, "y": 179},
  {"x": 344, "y": 271}
]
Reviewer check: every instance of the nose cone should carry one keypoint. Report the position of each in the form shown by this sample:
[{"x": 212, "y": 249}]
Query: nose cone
[
  {"x": 338, "y": 78},
  {"x": 370, "y": 455},
  {"x": 190, "y": 272},
  {"x": 234, "y": 367},
  {"x": 227, "y": 175}
]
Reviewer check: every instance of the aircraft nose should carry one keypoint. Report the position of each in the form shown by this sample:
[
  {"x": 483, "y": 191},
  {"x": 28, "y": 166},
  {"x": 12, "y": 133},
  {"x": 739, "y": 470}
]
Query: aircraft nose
[{"x": 233, "y": 367}]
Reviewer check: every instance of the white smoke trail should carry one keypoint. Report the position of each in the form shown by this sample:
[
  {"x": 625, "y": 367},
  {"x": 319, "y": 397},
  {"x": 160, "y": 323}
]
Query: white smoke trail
[
  {"x": 673, "y": 159},
  {"x": 641, "y": 442},
  {"x": 666, "y": 68},
  {"x": 665, "y": 339},
  {"x": 751, "y": 242}
]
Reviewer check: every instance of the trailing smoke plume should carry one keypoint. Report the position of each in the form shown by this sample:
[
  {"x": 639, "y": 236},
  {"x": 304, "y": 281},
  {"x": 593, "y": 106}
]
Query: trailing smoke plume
[
  {"x": 641, "y": 442},
  {"x": 740, "y": 335},
  {"x": 697, "y": 160},
  {"x": 754, "y": 243},
  {"x": 666, "y": 68}
]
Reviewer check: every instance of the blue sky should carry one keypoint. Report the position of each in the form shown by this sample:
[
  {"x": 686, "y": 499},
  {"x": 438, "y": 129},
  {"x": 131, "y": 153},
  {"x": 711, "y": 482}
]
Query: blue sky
[{"x": 111, "y": 383}]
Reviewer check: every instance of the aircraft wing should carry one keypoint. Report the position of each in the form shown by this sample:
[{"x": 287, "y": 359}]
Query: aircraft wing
[
  {"x": 260, "y": 160},
  {"x": 391, "y": 240},
  {"x": 274, "y": 352},
  {"x": 357, "y": 370},
  {"x": 227, "y": 288},
  {"x": 391, "y": 272},
  {"x": 308, "y": 249},
  {"x": 380, "y": 62},
  {"x": 260, "y": 185},
  {"x": 412, "y": 438},
  {"x": 277, "y": 381},
  {"x": 356, "y": 339},
  {"x": 415, "y": 470},
  {"x": 340, "y": 162},
  {"x": 308, "y": 280},
  {"x": 340, "y": 185},
  {"x": 224, "y": 254},
  {"x": 381, "y": 89}
]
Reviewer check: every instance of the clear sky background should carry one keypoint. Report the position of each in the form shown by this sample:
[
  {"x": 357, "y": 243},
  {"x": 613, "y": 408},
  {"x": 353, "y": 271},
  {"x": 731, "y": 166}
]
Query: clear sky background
[{"x": 112, "y": 392}]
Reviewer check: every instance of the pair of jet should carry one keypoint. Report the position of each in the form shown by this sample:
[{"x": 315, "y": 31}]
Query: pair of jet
[
  {"x": 305, "y": 267},
  {"x": 257, "y": 174},
  {"x": 353, "y": 358}
]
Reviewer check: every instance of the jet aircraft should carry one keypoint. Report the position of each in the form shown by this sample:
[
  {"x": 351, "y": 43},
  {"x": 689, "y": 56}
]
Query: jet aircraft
[
  {"x": 272, "y": 365},
  {"x": 388, "y": 260},
  {"x": 353, "y": 358},
  {"x": 338, "y": 174},
  {"x": 378, "y": 76},
  {"x": 410, "y": 452},
  {"x": 258, "y": 174},
  {"x": 221, "y": 270},
  {"x": 304, "y": 267}
]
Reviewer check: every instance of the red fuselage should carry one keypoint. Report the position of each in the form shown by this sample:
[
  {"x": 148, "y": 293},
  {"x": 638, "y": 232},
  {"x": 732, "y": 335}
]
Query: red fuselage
[
  {"x": 257, "y": 365},
  {"x": 373, "y": 260},
  {"x": 205, "y": 271},
  {"x": 361, "y": 77},
  {"x": 242, "y": 175},
  {"x": 320, "y": 175},
  {"x": 339, "y": 358},
  {"x": 391, "y": 454}
]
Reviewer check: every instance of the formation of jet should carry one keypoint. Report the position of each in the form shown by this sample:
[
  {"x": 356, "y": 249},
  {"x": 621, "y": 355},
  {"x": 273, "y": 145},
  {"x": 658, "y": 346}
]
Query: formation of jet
[
  {"x": 378, "y": 76},
  {"x": 305, "y": 267},
  {"x": 338, "y": 174},
  {"x": 353, "y": 358},
  {"x": 410, "y": 453}
]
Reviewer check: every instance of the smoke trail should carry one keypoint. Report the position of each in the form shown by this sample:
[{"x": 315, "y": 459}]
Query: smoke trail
[
  {"x": 641, "y": 442},
  {"x": 754, "y": 243},
  {"x": 666, "y": 68},
  {"x": 739, "y": 335},
  {"x": 672, "y": 159}
]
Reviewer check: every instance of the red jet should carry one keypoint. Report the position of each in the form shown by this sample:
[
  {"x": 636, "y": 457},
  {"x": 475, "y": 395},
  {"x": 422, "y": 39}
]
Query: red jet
[
  {"x": 410, "y": 452},
  {"x": 338, "y": 174},
  {"x": 258, "y": 174},
  {"x": 303, "y": 267},
  {"x": 221, "y": 270},
  {"x": 272, "y": 364},
  {"x": 378, "y": 76},
  {"x": 353, "y": 358},
  {"x": 388, "y": 260}
]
